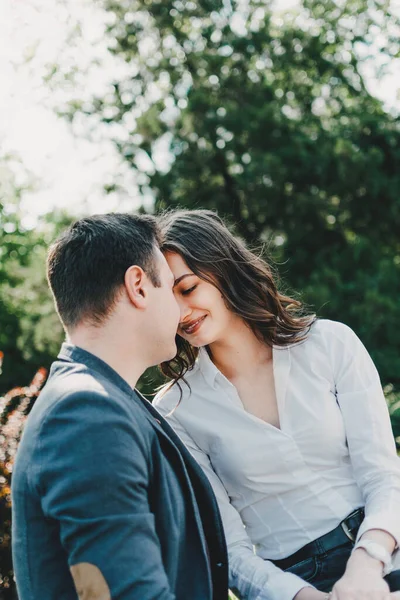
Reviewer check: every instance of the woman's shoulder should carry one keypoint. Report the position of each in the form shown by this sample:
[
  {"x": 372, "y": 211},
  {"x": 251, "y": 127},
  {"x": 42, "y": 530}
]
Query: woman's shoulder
[
  {"x": 198, "y": 383},
  {"x": 167, "y": 398},
  {"x": 171, "y": 395},
  {"x": 333, "y": 335},
  {"x": 327, "y": 327}
]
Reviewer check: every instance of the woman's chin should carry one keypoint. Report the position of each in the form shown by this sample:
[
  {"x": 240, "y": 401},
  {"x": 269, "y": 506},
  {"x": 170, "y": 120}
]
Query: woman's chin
[
  {"x": 194, "y": 343},
  {"x": 197, "y": 341}
]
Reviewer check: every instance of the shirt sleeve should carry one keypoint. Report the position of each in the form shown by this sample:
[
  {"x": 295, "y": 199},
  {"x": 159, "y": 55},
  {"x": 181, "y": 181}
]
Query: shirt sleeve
[
  {"x": 368, "y": 431},
  {"x": 250, "y": 576},
  {"x": 93, "y": 484}
]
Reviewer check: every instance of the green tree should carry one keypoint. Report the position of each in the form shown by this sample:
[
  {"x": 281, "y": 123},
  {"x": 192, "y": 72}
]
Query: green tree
[
  {"x": 30, "y": 332},
  {"x": 266, "y": 117}
]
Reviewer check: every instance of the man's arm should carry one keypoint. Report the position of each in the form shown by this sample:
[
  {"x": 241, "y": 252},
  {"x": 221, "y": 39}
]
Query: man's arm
[{"x": 93, "y": 480}]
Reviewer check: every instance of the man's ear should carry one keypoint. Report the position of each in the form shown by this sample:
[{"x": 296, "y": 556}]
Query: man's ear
[{"x": 136, "y": 284}]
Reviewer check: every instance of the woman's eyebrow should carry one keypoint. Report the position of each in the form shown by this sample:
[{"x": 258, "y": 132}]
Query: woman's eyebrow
[{"x": 183, "y": 277}]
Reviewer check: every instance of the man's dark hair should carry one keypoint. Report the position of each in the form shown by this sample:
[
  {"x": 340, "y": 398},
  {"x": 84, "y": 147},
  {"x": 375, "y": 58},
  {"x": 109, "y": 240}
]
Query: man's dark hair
[{"x": 86, "y": 265}]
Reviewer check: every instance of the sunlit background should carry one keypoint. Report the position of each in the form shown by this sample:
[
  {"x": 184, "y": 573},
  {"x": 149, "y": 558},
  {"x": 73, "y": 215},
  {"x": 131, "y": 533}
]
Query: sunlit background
[{"x": 54, "y": 51}]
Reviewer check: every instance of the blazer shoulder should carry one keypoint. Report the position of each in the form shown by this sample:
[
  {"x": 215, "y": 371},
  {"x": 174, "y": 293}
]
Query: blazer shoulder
[
  {"x": 80, "y": 394},
  {"x": 62, "y": 387}
]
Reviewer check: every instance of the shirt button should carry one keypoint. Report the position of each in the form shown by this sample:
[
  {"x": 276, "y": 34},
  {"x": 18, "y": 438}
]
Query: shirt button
[{"x": 220, "y": 565}]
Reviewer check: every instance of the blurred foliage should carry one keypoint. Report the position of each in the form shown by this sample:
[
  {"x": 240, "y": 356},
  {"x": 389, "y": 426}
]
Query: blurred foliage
[
  {"x": 393, "y": 400},
  {"x": 30, "y": 332},
  {"x": 265, "y": 116}
]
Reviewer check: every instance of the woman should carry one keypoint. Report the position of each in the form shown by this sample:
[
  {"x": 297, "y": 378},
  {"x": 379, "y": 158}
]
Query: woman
[{"x": 285, "y": 414}]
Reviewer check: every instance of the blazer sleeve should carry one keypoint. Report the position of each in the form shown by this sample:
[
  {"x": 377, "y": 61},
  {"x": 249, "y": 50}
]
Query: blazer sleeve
[
  {"x": 250, "y": 576},
  {"x": 93, "y": 482},
  {"x": 369, "y": 434}
]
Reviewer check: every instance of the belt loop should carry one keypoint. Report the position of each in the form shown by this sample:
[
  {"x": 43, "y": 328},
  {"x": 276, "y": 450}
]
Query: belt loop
[{"x": 320, "y": 546}]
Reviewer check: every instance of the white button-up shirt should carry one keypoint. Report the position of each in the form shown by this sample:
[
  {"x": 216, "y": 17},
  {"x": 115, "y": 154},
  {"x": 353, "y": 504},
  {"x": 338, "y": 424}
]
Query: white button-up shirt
[{"x": 279, "y": 489}]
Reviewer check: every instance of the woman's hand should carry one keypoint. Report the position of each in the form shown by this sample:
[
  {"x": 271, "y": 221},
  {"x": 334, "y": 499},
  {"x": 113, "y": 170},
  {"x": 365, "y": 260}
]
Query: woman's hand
[
  {"x": 362, "y": 580},
  {"x": 309, "y": 593}
]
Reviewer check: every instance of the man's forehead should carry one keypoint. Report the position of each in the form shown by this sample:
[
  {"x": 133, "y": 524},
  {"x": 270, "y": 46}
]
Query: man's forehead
[{"x": 160, "y": 258}]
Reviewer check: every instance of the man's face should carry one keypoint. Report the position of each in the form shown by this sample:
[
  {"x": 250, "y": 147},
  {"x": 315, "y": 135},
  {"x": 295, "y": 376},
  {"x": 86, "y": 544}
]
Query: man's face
[{"x": 164, "y": 313}]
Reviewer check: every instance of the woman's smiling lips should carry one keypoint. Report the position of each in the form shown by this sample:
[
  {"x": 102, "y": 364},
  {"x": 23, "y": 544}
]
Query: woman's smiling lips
[{"x": 193, "y": 326}]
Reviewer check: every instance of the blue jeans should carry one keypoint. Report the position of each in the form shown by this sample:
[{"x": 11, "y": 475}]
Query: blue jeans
[{"x": 324, "y": 570}]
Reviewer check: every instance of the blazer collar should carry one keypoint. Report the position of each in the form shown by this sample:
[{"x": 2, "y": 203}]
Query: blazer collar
[{"x": 74, "y": 354}]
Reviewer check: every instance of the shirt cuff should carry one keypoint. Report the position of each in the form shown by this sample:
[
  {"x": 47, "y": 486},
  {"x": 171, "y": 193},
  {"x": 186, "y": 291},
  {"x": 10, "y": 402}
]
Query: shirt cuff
[
  {"x": 283, "y": 586},
  {"x": 386, "y": 522}
]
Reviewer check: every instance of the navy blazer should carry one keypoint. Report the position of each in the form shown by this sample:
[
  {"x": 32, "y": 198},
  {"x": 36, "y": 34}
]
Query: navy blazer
[{"x": 101, "y": 479}]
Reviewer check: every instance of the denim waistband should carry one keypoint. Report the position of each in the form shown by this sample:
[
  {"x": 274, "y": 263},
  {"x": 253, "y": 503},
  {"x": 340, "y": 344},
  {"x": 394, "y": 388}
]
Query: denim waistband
[{"x": 345, "y": 532}]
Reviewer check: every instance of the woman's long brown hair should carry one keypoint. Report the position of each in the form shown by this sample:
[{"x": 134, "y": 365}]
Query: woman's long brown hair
[{"x": 245, "y": 281}]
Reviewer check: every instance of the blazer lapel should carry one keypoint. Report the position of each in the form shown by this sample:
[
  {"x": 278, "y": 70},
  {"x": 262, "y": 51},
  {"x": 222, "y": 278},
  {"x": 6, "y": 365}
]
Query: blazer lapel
[
  {"x": 163, "y": 427},
  {"x": 203, "y": 493}
]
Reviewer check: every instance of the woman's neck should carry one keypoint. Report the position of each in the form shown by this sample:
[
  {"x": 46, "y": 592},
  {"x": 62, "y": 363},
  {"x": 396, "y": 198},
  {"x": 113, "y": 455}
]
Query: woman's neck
[{"x": 240, "y": 352}]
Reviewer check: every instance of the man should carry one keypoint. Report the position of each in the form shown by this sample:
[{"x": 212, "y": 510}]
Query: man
[{"x": 107, "y": 502}]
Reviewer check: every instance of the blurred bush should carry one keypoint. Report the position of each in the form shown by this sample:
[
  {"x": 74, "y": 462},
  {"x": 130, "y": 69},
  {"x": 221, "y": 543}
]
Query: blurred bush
[{"x": 14, "y": 407}]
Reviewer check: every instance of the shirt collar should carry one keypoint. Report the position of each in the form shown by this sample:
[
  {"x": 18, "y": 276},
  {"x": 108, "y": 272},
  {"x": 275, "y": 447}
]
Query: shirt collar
[
  {"x": 207, "y": 367},
  {"x": 210, "y": 372}
]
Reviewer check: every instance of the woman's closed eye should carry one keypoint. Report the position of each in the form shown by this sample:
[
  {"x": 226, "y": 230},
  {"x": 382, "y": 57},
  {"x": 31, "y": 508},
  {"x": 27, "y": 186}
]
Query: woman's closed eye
[{"x": 189, "y": 290}]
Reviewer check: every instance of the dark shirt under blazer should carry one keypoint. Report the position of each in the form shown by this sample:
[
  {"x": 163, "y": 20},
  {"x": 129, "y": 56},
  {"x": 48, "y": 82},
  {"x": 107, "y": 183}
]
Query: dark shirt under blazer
[{"x": 101, "y": 478}]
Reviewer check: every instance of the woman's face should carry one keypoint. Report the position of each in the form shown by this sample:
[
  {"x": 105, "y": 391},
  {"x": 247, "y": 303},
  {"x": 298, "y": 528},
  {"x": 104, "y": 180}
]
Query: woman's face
[{"x": 204, "y": 317}]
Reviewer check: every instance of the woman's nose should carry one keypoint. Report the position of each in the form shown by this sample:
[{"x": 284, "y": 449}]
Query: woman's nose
[{"x": 185, "y": 310}]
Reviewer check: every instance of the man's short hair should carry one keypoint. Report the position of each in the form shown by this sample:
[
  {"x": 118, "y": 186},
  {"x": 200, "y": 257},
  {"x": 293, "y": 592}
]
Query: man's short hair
[{"x": 86, "y": 265}]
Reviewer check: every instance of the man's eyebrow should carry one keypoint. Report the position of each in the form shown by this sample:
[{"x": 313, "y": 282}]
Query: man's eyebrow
[{"x": 183, "y": 277}]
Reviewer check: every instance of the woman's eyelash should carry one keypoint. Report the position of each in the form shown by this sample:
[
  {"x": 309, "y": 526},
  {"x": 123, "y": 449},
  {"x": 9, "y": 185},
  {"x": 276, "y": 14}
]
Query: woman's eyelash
[{"x": 186, "y": 292}]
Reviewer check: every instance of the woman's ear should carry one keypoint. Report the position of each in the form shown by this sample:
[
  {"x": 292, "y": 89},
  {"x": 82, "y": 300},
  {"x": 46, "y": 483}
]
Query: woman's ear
[{"x": 136, "y": 283}]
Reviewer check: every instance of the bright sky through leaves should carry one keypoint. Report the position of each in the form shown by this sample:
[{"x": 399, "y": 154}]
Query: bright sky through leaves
[{"x": 69, "y": 168}]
